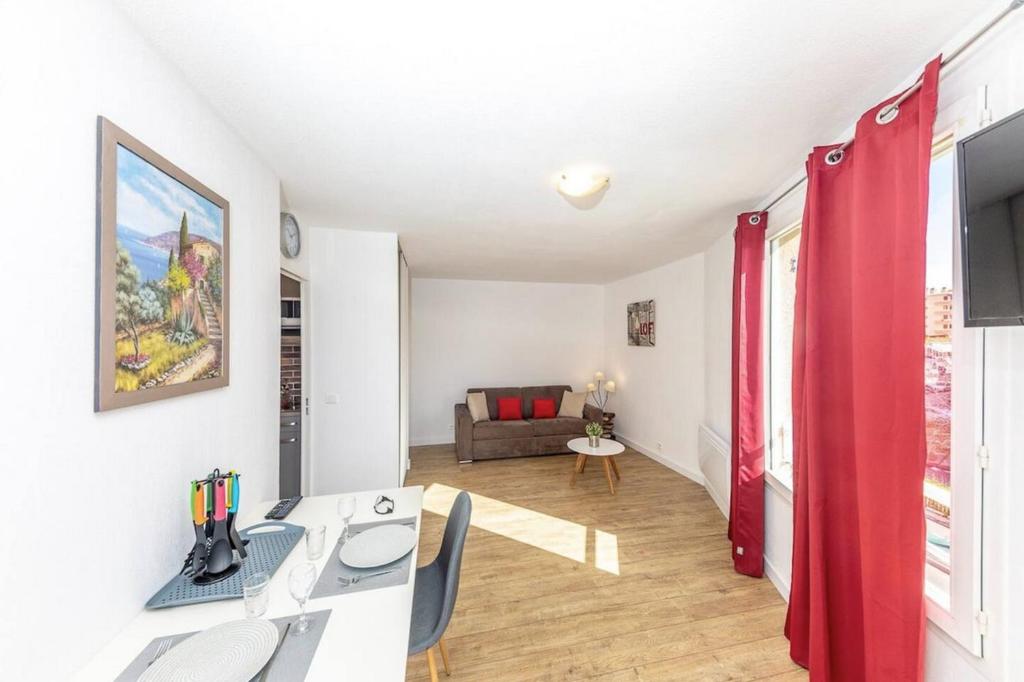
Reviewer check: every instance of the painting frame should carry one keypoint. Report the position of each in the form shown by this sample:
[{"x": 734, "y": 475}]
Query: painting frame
[
  {"x": 640, "y": 324},
  {"x": 109, "y": 138}
]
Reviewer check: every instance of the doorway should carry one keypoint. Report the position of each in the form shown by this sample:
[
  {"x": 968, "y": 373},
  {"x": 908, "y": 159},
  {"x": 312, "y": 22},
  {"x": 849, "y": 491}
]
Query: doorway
[{"x": 292, "y": 392}]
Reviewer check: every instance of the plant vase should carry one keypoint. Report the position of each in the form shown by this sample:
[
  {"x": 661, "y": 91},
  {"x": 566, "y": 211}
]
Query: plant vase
[{"x": 595, "y": 441}]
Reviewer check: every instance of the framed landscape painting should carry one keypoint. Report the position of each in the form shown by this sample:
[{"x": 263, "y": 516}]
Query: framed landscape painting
[
  {"x": 161, "y": 277},
  {"x": 640, "y": 323}
]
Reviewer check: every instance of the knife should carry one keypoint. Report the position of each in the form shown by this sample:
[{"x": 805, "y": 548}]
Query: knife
[
  {"x": 219, "y": 500},
  {"x": 266, "y": 668},
  {"x": 233, "y": 492},
  {"x": 198, "y": 498}
]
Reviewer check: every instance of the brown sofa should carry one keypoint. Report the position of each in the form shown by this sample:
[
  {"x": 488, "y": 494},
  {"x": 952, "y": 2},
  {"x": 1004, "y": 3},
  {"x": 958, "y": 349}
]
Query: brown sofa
[{"x": 521, "y": 438}]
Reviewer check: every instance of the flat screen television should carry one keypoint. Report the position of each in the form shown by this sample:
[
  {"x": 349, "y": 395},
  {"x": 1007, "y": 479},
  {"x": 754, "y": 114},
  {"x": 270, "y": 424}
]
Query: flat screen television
[{"x": 991, "y": 176}]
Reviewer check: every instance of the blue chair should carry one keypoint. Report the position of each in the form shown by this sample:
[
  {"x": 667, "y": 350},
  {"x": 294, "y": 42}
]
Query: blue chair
[{"x": 437, "y": 586}]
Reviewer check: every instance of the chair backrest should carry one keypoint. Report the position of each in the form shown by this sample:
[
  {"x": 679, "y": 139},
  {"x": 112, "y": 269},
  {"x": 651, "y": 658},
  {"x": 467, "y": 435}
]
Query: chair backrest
[{"x": 449, "y": 558}]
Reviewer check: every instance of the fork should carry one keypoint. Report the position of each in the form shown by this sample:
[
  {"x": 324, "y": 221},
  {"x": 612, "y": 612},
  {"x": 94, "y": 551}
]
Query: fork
[
  {"x": 356, "y": 578},
  {"x": 161, "y": 649}
]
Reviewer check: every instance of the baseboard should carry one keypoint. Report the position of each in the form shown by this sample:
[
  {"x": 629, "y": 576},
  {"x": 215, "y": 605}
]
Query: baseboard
[
  {"x": 431, "y": 440},
  {"x": 775, "y": 576},
  {"x": 694, "y": 476}
]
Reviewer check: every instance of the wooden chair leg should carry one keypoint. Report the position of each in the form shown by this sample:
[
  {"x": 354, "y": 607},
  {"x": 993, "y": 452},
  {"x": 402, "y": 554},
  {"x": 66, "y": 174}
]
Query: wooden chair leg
[
  {"x": 608, "y": 474},
  {"x": 431, "y": 664},
  {"x": 615, "y": 467},
  {"x": 444, "y": 656}
]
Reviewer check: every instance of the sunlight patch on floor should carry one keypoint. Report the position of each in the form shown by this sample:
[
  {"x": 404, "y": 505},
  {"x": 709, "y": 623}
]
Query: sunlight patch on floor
[
  {"x": 549, "y": 533},
  {"x": 606, "y": 551}
]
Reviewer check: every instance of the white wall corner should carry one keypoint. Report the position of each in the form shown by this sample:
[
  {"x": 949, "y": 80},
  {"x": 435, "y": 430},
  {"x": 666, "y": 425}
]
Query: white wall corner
[{"x": 664, "y": 461}]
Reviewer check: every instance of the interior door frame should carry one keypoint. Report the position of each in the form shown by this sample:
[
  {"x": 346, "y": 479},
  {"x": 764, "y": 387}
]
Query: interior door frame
[{"x": 306, "y": 475}]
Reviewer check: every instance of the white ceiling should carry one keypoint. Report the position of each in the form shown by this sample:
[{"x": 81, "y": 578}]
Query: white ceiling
[{"x": 446, "y": 121}]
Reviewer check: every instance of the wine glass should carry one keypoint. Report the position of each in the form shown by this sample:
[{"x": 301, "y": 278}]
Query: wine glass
[
  {"x": 346, "y": 509},
  {"x": 300, "y": 583}
]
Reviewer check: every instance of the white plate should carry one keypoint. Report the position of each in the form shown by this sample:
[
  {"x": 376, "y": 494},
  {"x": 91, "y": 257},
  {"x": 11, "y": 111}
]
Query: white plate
[
  {"x": 378, "y": 546},
  {"x": 229, "y": 652}
]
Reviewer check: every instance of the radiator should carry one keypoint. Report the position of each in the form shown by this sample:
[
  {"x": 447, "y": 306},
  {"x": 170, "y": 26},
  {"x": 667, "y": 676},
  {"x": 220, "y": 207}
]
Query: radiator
[{"x": 714, "y": 455}]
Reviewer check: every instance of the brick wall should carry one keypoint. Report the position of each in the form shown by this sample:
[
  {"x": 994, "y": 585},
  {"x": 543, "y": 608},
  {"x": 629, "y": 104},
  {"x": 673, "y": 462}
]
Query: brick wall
[{"x": 291, "y": 367}]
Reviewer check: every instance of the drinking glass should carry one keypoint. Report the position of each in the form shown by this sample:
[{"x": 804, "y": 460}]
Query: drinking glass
[
  {"x": 346, "y": 509},
  {"x": 256, "y": 594},
  {"x": 315, "y": 542},
  {"x": 300, "y": 583}
]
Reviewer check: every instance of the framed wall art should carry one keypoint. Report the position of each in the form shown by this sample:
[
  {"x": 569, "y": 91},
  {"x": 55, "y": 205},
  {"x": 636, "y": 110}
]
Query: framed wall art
[
  {"x": 162, "y": 274},
  {"x": 640, "y": 323}
]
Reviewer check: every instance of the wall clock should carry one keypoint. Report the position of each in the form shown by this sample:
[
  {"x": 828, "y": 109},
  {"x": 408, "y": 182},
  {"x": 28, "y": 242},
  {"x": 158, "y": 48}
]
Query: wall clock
[{"x": 290, "y": 240}]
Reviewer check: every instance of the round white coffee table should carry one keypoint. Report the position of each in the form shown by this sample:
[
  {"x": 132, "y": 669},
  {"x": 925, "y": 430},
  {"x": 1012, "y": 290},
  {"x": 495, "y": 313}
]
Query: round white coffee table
[{"x": 606, "y": 451}]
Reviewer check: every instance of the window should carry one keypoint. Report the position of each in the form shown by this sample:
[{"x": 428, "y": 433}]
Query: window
[
  {"x": 953, "y": 390},
  {"x": 954, "y": 358},
  {"x": 938, "y": 378},
  {"x": 783, "y": 251}
]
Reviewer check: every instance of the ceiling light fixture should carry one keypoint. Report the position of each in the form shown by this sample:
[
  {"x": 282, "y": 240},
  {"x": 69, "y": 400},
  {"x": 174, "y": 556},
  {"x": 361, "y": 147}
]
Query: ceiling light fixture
[{"x": 580, "y": 184}]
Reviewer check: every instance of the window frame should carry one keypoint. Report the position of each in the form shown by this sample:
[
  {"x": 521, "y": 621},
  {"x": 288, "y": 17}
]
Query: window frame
[
  {"x": 960, "y": 619},
  {"x": 778, "y": 476}
]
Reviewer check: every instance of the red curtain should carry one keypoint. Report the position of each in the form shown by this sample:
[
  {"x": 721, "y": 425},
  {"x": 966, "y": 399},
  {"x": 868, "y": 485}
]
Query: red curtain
[
  {"x": 746, "y": 501},
  {"x": 856, "y": 609}
]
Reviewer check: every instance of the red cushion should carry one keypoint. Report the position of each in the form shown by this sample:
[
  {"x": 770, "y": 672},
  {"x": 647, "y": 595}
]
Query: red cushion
[
  {"x": 543, "y": 408},
  {"x": 510, "y": 408}
]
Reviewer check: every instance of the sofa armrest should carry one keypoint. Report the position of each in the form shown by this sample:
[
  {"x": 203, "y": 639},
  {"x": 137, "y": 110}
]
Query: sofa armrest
[
  {"x": 463, "y": 433},
  {"x": 593, "y": 413}
]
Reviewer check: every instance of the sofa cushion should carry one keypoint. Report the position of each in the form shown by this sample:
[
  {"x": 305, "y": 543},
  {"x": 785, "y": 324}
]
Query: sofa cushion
[
  {"x": 509, "y": 447},
  {"x": 543, "y": 408},
  {"x": 510, "y": 409},
  {"x": 477, "y": 404},
  {"x": 532, "y": 392},
  {"x": 572, "y": 405},
  {"x": 492, "y": 395},
  {"x": 559, "y": 426},
  {"x": 494, "y": 430}
]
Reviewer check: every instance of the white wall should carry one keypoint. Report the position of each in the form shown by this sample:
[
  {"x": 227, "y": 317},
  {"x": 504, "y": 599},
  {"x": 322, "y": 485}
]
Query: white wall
[
  {"x": 97, "y": 503},
  {"x": 478, "y": 333},
  {"x": 718, "y": 330},
  {"x": 404, "y": 341},
  {"x": 355, "y": 355},
  {"x": 998, "y": 63},
  {"x": 660, "y": 401}
]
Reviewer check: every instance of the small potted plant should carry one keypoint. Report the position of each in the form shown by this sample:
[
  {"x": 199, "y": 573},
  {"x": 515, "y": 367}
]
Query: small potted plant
[{"x": 594, "y": 430}]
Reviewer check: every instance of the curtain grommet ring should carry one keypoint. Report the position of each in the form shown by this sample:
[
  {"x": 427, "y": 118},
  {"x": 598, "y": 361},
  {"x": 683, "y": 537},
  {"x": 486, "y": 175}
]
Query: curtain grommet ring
[
  {"x": 834, "y": 157},
  {"x": 754, "y": 219},
  {"x": 887, "y": 114}
]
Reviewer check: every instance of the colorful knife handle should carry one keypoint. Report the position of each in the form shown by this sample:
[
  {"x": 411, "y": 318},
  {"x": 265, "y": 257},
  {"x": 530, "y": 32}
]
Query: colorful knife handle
[
  {"x": 198, "y": 503},
  {"x": 219, "y": 503},
  {"x": 234, "y": 492}
]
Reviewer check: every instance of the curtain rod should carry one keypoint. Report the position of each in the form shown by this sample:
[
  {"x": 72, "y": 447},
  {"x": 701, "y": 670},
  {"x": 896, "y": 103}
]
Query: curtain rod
[{"x": 883, "y": 114}]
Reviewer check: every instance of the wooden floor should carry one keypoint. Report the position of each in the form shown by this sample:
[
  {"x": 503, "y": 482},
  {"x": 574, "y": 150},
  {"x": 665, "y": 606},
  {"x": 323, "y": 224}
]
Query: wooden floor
[{"x": 563, "y": 583}]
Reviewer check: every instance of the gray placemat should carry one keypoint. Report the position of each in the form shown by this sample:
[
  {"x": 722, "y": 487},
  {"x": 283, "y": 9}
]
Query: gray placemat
[
  {"x": 266, "y": 551},
  {"x": 329, "y": 586},
  {"x": 289, "y": 665}
]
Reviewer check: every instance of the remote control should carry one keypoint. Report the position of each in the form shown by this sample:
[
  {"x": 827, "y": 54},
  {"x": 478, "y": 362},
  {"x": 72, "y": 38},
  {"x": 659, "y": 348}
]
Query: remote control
[{"x": 283, "y": 508}]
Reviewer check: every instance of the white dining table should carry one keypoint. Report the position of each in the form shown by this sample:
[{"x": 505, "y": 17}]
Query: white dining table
[{"x": 367, "y": 634}]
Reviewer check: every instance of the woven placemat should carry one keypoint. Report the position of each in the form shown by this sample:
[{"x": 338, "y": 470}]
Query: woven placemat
[{"x": 289, "y": 665}]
